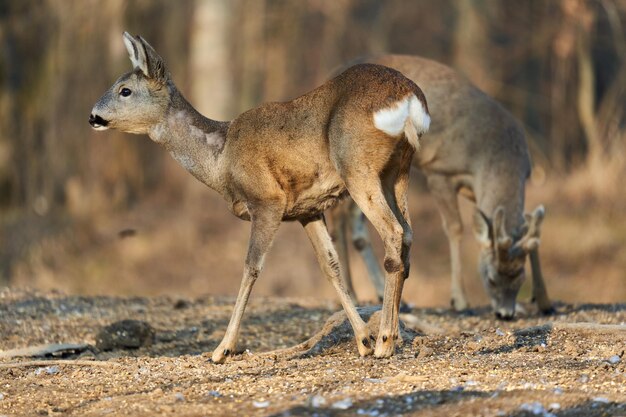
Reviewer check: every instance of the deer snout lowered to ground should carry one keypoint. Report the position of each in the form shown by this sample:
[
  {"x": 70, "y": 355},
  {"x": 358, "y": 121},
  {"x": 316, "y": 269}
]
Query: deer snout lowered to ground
[
  {"x": 355, "y": 134},
  {"x": 477, "y": 149}
]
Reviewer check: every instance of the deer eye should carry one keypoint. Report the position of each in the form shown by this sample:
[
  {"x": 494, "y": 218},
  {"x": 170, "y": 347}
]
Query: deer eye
[{"x": 125, "y": 92}]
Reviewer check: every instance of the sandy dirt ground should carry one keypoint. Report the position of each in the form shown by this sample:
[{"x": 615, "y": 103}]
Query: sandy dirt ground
[{"x": 568, "y": 364}]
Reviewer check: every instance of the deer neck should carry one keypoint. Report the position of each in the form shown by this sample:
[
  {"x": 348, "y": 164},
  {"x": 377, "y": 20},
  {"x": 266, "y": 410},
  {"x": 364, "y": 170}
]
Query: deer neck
[
  {"x": 194, "y": 141},
  {"x": 510, "y": 195}
]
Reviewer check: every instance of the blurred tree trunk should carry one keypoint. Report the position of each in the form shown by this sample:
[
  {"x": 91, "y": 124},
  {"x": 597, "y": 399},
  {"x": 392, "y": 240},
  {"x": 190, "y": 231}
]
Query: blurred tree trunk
[
  {"x": 472, "y": 43},
  {"x": 336, "y": 22},
  {"x": 283, "y": 50},
  {"x": 583, "y": 17},
  {"x": 211, "y": 79},
  {"x": 248, "y": 51}
]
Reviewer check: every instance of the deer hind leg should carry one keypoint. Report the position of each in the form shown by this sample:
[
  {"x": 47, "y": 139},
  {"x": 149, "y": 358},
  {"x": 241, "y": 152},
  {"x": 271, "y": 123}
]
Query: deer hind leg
[
  {"x": 446, "y": 198},
  {"x": 327, "y": 257},
  {"x": 401, "y": 200},
  {"x": 362, "y": 243},
  {"x": 265, "y": 223},
  {"x": 374, "y": 191}
]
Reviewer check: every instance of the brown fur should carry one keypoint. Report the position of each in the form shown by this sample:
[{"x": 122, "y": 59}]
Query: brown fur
[
  {"x": 477, "y": 149},
  {"x": 287, "y": 161}
]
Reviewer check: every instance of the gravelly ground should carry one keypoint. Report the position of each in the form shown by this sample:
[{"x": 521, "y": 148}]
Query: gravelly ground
[{"x": 466, "y": 365}]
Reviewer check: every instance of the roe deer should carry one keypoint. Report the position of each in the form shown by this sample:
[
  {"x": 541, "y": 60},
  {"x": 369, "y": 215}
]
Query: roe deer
[
  {"x": 291, "y": 161},
  {"x": 477, "y": 149}
]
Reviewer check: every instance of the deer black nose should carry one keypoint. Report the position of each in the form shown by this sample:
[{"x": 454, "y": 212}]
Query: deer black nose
[{"x": 97, "y": 121}]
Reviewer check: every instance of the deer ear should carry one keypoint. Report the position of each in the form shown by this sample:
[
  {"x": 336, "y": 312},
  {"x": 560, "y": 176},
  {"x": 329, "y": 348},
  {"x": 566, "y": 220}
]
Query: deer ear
[
  {"x": 502, "y": 239},
  {"x": 156, "y": 66},
  {"x": 538, "y": 214},
  {"x": 482, "y": 229},
  {"x": 137, "y": 53},
  {"x": 532, "y": 231},
  {"x": 534, "y": 228}
]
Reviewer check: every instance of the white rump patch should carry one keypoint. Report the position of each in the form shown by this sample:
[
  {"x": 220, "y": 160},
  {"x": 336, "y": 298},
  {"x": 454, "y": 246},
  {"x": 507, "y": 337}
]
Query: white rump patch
[
  {"x": 405, "y": 116},
  {"x": 419, "y": 115},
  {"x": 391, "y": 120}
]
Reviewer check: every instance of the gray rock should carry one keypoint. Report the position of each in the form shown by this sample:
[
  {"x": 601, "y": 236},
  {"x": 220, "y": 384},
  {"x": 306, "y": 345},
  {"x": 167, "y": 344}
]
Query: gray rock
[{"x": 125, "y": 334}]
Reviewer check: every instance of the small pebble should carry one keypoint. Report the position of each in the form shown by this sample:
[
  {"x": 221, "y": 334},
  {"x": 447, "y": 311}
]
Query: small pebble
[
  {"x": 537, "y": 409},
  {"x": 499, "y": 332},
  {"x": 372, "y": 412},
  {"x": 50, "y": 370},
  {"x": 260, "y": 404},
  {"x": 602, "y": 400},
  {"x": 213, "y": 393},
  {"x": 181, "y": 304},
  {"x": 342, "y": 404},
  {"x": 584, "y": 378},
  {"x": 1, "y": 396},
  {"x": 558, "y": 390},
  {"x": 317, "y": 401},
  {"x": 473, "y": 346},
  {"x": 554, "y": 406},
  {"x": 614, "y": 360},
  {"x": 179, "y": 397},
  {"x": 425, "y": 352}
]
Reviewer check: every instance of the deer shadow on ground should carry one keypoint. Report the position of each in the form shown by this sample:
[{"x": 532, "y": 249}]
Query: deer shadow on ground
[{"x": 476, "y": 402}]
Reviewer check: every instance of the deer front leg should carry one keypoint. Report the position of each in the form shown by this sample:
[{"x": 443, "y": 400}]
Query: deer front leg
[
  {"x": 540, "y": 294},
  {"x": 340, "y": 219},
  {"x": 446, "y": 198},
  {"x": 264, "y": 227},
  {"x": 329, "y": 262}
]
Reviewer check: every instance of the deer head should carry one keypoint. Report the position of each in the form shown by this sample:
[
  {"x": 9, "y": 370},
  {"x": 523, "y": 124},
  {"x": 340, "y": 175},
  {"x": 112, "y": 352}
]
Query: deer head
[
  {"x": 138, "y": 99},
  {"x": 502, "y": 256}
]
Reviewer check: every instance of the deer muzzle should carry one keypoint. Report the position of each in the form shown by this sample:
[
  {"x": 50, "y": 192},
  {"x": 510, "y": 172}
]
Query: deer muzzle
[{"x": 98, "y": 122}]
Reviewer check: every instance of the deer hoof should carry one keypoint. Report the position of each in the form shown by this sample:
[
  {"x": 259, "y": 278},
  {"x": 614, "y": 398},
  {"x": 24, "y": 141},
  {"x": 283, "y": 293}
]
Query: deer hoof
[
  {"x": 385, "y": 346},
  {"x": 364, "y": 345},
  {"x": 220, "y": 354},
  {"x": 459, "y": 304}
]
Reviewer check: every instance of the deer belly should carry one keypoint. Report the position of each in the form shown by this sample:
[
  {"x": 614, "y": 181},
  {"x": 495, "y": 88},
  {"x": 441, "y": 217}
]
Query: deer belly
[{"x": 315, "y": 198}]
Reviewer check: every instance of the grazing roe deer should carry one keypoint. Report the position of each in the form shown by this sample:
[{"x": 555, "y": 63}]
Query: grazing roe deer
[
  {"x": 291, "y": 161},
  {"x": 477, "y": 149}
]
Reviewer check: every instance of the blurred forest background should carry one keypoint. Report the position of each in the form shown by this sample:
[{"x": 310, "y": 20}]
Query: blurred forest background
[{"x": 111, "y": 213}]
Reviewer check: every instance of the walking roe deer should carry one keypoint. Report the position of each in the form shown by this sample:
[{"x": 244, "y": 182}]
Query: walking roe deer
[
  {"x": 477, "y": 149},
  {"x": 291, "y": 161}
]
